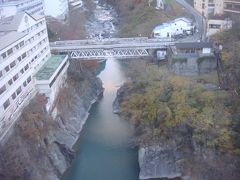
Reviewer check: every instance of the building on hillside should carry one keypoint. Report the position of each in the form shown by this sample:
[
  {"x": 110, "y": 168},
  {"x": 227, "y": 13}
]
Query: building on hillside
[
  {"x": 51, "y": 77},
  {"x": 60, "y": 10},
  {"x": 194, "y": 48},
  {"x": 179, "y": 26},
  {"x": 217, "y": 7},
  {"x": 32, "y": 7},
  {"x": 215, "y": 13},
  {"x": 24, "y": 47},
  {"x": 217, "y": 25},
  {"x": 163, "y": 31},
  {"x": 191, "y": 58},
  {"x": 209, "y": 7}
]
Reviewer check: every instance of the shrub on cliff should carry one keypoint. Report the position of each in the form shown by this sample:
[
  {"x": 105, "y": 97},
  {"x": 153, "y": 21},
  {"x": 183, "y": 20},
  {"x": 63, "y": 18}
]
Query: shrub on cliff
[{"x": 169, "y": 102}]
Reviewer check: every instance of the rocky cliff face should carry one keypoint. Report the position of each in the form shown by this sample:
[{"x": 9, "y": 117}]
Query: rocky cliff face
[
  {"x": 177, "y": 155},
  {"x": 170, "y": 159},
  {"x": 40, "y": 145},
  {"x": 173, "y": 151}
]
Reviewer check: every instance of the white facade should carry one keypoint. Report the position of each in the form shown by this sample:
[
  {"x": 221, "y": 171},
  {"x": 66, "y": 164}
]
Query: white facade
[
  {"x": 163, "y": 31},
  {"x": 217, "y": 25},
  {"x": 11, "y": 8},
  {"x": 176, "y": 27},
  {"x": 161, "y": 54},
  {"x": 56, "y": 8},
  {"x": 217, "y": 7},
  {"x": 181, "y": 25},
  {"x": 24, "y": 47},
  {"x": 51, "y": 77}
]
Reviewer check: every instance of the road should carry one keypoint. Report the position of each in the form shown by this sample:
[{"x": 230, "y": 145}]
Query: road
[{"x": 200, "y": 21}]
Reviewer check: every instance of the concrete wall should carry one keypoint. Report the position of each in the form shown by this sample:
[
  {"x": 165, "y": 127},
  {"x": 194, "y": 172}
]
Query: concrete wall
[
  {"x": 51, "y": 92},
  {"x": 192, "y": 65}
]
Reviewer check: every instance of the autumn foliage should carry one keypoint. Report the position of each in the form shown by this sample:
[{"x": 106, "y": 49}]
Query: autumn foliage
[{"x": 166, "y": 102}]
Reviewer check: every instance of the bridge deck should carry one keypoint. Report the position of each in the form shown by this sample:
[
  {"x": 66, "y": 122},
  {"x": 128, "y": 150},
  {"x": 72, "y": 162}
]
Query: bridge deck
[
  {"x": 142, "y": 42},
  {"x": 114, "y": 47}
]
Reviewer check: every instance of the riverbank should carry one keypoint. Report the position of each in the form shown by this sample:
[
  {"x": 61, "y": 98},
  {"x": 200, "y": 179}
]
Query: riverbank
[
  {"x": 183, "y": 129},
  {"x": 180, "y": 134},
  {"x": 40, "y": 145}
]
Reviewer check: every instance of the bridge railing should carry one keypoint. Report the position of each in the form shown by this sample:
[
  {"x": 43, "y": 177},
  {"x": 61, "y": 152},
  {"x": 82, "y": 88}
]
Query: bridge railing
[
  {"x": 109, "y": 41},
  {"x": 97, "y": 41}
]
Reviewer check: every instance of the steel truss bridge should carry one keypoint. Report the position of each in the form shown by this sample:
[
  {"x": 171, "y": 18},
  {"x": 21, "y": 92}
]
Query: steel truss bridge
[{"x": 107, "y": 48}]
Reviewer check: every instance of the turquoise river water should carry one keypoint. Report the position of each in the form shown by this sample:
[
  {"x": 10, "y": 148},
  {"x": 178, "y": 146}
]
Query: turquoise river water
[{"x": 104, "y": 148}]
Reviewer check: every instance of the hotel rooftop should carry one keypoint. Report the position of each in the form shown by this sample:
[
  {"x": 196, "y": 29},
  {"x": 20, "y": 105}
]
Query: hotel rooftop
[{"x": 50, "y": 67}]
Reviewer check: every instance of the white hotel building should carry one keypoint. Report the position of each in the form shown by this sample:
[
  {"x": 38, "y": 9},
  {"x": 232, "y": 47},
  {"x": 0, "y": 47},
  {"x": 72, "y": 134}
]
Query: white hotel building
[
  {"x": 24, "y": 47},
  {"x": 11, "y": 8},
  {"x": 26, "y": 66}
]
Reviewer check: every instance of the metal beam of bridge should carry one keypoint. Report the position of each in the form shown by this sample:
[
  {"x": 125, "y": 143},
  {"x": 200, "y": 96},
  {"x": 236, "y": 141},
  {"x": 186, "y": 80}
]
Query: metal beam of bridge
[
  {"x": 115, "y": 47},
  {"x": 103, "y": 53}
]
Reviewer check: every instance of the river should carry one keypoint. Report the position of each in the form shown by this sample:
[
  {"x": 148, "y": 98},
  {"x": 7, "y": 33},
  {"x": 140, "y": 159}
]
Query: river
[{"x": 105, "y": 151}]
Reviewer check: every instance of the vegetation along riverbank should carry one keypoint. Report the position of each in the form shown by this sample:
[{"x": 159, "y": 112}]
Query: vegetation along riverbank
[{"x": 185, "y": 126}]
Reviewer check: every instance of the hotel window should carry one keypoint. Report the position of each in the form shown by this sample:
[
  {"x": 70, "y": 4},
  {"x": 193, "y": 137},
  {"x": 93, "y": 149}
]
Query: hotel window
[
  {"x": 10, "y": 51},
  {"x": 19, "y": 90},
  {"x": 4, "y": 55},
  {"x": 15, "y": 77},
  {"x": 7, "y": 68},
  {"x": 12, "y": 64},
  {"x": 6, "y": 104},
  {"x": 29, "y": 79},
  {"x": 21, "y": 44},
  {"x": 10, "y": 82},
  {"x": 14, "y": 96},
  {"x": 2, "y": 89},
  {"x": 215, "y": 26},
  {"x": 26, "y": 67},
  {"x": 24, "y": 55},
  {"x": 17, "y": 47},
  {"x": 22, "y": 71},
  {"x": 19, "y": 59},
  {"x": 24, "y": 83}
]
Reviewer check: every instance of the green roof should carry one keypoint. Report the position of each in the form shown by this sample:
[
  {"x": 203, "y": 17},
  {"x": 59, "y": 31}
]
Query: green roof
[{"x": 48, "y": 69}]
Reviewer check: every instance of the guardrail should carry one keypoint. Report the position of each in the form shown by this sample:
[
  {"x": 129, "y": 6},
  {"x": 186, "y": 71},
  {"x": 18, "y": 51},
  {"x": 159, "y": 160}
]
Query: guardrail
[{"x": 109, "y": 41}]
